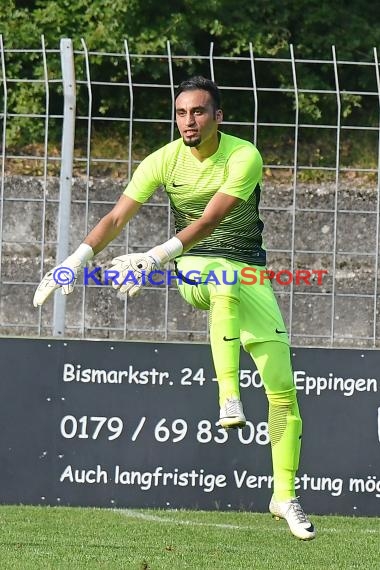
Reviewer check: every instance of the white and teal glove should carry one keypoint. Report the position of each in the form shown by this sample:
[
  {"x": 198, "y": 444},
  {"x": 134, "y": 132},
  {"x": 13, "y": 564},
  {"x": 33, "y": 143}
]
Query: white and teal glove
[
  {"x": 63, "y": 275},
  {"x": 131, "y": 269}
]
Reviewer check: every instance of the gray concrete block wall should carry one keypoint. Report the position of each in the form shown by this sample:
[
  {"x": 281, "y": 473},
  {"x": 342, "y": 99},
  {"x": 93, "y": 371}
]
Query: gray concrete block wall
[{"x": 96, "y": 312}]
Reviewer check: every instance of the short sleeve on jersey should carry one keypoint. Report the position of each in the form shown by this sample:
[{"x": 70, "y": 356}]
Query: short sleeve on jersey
[
  {"x": 244, "y": 172},
  {"x": 146, "y": 178}
]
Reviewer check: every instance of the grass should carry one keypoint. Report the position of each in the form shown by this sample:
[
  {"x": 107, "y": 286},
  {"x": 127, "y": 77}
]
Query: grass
[{"x": 76, "y": 538}]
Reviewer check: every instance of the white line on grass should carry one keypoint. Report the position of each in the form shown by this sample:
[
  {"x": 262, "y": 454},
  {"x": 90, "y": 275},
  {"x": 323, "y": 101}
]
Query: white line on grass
[
  {"x": 130, "y": 513},
  {"x": 154, "y": 518}
]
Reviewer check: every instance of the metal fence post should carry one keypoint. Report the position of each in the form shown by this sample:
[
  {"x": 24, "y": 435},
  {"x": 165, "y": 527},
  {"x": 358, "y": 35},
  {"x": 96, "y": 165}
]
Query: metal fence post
[
  {"x": 67, "y": 156},
  {"x": 4, "y": 145}
]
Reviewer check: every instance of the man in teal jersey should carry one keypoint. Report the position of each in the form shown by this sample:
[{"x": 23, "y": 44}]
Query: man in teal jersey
[{"x": 213, "y": 183}]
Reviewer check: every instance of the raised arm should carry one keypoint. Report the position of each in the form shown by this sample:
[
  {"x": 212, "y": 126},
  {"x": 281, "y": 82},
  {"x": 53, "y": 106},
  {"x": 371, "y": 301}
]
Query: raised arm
[
  {"x": 129, "y": 269},
  {"x": 216, "y": 210},
  {"x": 110, "y": 226},
  {"x": 107, "y": 229}
]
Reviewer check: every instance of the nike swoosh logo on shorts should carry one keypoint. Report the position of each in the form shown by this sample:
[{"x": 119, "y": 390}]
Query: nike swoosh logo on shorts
[
  {"x": 280, "y": 332},
  {"x": 177, "y": 185},
  {"x": 227, "y": 339}
]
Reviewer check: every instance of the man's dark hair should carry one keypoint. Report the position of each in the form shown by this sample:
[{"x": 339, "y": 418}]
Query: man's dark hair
[{"x": 199, "y": 82}]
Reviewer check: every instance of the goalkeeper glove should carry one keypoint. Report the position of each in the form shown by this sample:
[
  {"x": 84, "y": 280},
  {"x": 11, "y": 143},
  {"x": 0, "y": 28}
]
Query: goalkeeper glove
[
  {"x": 134, "y": 266},
  {"x": 63, "y": 275}
]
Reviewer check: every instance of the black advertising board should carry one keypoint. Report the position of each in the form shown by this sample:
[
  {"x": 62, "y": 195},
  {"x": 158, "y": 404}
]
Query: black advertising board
[{"x": 132, "y": 424}]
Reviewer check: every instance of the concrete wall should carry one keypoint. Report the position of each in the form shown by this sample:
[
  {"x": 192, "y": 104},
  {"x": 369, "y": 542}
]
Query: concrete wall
[{"x": 24, "y": 223}]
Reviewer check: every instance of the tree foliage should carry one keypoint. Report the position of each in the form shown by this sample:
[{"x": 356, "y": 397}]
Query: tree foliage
[{"x": 312, "y": 26}]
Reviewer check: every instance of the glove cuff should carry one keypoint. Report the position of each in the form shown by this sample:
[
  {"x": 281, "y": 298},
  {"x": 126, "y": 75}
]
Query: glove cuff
[
  {"x": 166, "y": 251},
  {"x": 84, "y": 253}
]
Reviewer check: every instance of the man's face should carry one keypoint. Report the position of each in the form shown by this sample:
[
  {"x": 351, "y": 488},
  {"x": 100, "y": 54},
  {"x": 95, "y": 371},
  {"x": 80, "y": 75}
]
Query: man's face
[{"x": 197, "y": 119}]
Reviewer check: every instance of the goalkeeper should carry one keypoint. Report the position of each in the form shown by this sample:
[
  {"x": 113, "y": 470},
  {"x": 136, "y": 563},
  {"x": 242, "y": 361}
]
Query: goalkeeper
[{"x": 213, "y": 183}]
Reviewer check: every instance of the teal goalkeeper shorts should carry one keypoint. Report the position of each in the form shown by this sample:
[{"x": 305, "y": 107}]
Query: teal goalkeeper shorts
[{"x": 260, "y": 316}]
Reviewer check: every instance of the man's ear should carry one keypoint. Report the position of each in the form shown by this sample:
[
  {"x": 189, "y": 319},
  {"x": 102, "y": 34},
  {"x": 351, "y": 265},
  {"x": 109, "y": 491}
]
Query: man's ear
[{"x": 219, "y": 116}]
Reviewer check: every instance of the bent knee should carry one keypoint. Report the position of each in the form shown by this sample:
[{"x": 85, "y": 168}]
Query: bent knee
[{"x": 282, "y": 398}]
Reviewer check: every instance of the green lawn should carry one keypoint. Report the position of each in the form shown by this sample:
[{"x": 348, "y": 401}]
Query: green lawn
[{"x": 76, "y": 538}]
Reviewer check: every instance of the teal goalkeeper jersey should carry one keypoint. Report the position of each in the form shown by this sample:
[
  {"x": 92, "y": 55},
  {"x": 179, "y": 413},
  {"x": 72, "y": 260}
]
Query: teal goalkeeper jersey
[{"x": 234, "y": 169}]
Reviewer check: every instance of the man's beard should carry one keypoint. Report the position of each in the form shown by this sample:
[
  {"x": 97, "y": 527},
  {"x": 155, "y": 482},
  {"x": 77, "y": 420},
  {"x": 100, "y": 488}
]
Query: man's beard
[{"x": 192, "y": 142}]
